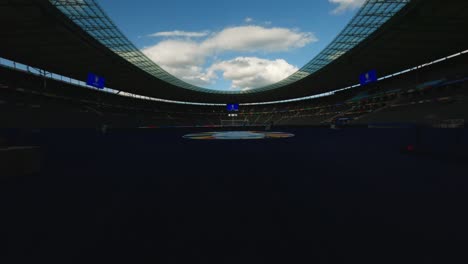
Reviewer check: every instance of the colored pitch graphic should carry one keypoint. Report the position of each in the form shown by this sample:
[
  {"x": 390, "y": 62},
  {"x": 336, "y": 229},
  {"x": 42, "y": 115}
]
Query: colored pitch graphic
[{"x": 238, "y": 135}]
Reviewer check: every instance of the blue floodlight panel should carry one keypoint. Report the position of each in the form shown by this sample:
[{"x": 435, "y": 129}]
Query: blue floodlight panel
[
  {"x": 368, "y": 77},
  {"x": 95, "y": 81},
  {"x": 232, "y": 107}
]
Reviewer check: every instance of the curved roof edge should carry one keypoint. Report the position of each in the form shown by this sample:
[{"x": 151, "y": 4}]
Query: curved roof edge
[
  {"x": 88, "y": 15},
  {"x": 372, "y": 15}
]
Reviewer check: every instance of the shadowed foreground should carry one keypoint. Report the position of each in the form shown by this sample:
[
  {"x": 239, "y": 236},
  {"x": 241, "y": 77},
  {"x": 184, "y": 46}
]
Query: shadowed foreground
[{"x": 324, "y": 196}]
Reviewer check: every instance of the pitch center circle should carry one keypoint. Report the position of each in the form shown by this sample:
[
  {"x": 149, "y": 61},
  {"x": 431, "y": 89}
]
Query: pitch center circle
[{"x": 238, "y": 135}]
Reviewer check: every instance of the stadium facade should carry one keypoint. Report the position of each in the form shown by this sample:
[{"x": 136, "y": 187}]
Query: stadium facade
[
  {"x": 387, "y": 36},
  {"x": 414, "y": 48}
]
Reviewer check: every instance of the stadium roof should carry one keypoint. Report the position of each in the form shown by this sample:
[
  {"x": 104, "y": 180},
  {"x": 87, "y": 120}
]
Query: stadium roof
[{"x": 74, "y": 37}]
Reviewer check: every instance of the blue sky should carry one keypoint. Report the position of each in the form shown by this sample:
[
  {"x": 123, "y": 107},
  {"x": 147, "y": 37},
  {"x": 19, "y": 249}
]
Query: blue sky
[{"x": 231, "y": 45}]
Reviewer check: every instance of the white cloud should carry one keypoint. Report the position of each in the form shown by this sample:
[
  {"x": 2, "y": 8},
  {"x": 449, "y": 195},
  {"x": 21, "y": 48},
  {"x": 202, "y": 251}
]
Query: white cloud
[
  {"x": 345, "y": 5},
  {"x": 185, "y": 58},
  {"x": 181, "y": 58},
  {"x": 179, "y": 33},
  {"x": 192, "y": 74},
  {"x": 257, "y": 38},
  {"x": 248, "y": 20},
  {"x": 252, "y": 72},
  {"x": 176, "y": 53}
]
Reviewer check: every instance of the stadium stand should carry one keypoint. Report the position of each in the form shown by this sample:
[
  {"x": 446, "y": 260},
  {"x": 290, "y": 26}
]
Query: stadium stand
[
  {"x": 38, "y": 101},
  {"x": 31, "y": 103},
  {"x": 110, "y": 176}
]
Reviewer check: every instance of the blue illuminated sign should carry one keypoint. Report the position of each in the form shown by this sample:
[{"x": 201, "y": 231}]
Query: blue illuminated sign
[
  {"x": 233, "y": 107},
  {"x": 95, "y": 81},
  {"x": 368, "y": 77}
]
